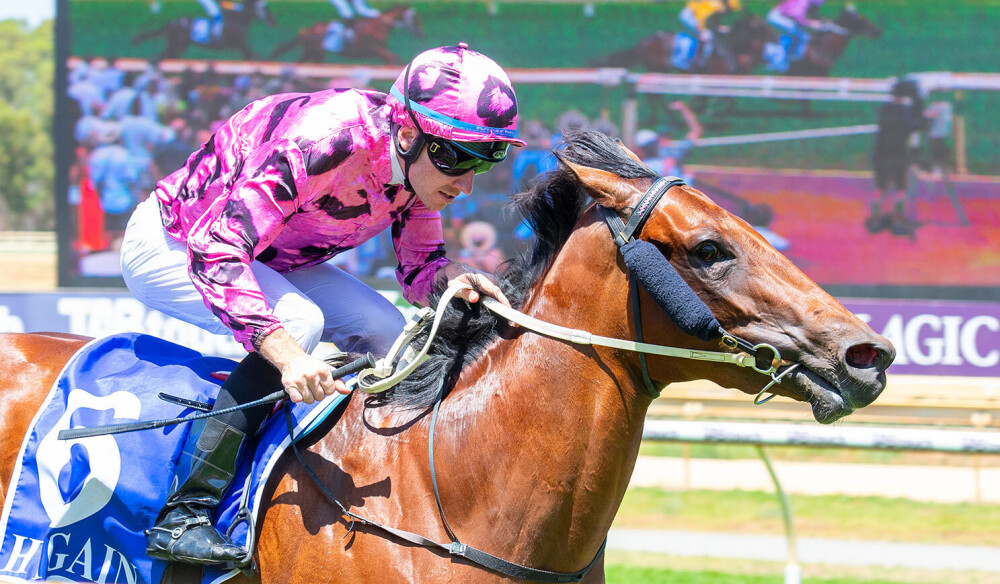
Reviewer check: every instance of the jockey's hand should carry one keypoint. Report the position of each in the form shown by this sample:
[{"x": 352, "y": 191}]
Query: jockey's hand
[
  {"x": 830, "y": 26},
  {"x": 483, "y": 282},
  {"x": 304, "y": 377}
]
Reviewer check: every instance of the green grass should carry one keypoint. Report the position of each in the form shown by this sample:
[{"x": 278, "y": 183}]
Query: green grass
[
  {"x": 834, "y": 516},
  {"x": 647, "y": 575},
  {"x": 828, "y": 455},
  {"x": 919, "y": 35},
  {"x": 644, "y": 568}
]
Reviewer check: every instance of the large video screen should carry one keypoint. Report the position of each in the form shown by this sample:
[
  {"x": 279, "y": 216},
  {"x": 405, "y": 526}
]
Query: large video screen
[{"x": 860, "y": 139}]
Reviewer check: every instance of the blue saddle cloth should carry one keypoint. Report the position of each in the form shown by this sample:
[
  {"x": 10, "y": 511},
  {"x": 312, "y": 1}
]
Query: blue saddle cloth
[
  {"x": 76, "y": 510},
  {"x": 684, "y": 51}
]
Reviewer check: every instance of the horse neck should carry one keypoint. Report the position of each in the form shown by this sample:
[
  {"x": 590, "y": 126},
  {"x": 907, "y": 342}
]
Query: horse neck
[
  {"x": 832, "y": 46},
  {"x": 562, "y": 424},
  {"x": 377, "y": 28}
]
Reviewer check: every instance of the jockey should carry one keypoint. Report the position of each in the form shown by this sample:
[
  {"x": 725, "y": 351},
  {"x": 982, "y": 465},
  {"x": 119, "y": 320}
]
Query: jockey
[
  {"x": 210, "y": 29},
  {"x": 359, "y": 7},
  {"x": 237, "y": 241},
  {"x": 793, "y": 19},
  {"x": 702, "y": 19},
  {"x": 340, "y": 32},
  {"x": 215, "y": 16}
]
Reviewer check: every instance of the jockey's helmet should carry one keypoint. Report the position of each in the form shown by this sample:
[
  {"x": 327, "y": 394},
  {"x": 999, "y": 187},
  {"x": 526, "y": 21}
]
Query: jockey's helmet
[{"x": 457, "y": 94}]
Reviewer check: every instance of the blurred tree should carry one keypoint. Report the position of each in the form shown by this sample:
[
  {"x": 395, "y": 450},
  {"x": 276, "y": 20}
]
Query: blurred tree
[{"x": 27, "y": 63}]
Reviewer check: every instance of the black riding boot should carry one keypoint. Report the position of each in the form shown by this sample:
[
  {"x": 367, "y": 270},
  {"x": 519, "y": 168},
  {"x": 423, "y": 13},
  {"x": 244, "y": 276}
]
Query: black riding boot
[{"x": 184, "y": 530}]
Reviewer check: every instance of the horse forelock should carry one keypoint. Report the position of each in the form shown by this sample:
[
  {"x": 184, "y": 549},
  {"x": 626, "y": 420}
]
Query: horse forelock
[{"x": 552, "y": 206}]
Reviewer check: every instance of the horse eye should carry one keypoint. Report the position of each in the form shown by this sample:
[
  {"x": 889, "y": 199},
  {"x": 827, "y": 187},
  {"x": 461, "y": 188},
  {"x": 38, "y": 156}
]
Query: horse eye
[{"x": 708, "y": 251}]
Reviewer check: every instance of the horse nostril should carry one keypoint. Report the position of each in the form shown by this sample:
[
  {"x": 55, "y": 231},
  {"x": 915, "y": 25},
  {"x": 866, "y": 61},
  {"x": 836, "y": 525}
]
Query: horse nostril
[{"x": 862, "y": 356}]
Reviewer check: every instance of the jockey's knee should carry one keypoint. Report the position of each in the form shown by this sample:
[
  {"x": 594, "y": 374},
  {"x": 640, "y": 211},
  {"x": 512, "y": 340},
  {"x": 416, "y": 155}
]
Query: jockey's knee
[
  {"x": 374, "y": 331},
  {"x": 304, "y": 323}
]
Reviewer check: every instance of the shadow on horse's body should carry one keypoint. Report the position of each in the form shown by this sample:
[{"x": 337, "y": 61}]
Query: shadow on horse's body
[
  {"x": 537, "y": 438},
  {"x": 827, "y": 46},
  {"x": 177, "y": 32},
  {"x": 369, "y": 37}
]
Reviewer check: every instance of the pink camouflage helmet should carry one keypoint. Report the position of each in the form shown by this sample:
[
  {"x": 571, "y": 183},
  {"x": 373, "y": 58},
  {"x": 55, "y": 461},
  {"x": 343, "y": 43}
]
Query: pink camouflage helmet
[{"x": 457, "y": 94}]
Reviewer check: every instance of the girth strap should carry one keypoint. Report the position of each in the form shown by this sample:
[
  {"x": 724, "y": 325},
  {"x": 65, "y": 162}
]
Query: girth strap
[{"x": 456, "y": 548}]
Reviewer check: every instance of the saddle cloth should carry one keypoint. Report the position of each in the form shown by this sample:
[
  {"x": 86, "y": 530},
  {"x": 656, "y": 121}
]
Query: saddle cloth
[
  {"x": 685, "y": 49},
  {"x": 76, "y": 510}
]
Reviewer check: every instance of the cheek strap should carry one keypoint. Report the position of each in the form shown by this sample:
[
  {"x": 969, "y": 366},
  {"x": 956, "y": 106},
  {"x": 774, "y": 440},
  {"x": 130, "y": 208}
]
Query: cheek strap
[{"x": 661, "y": 280}]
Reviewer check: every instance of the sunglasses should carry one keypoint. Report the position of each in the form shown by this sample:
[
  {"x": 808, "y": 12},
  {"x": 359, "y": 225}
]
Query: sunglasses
[{"x": 457, "y": 158}]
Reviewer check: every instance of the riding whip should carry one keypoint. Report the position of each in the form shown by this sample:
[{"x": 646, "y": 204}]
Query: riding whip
[{"x": 364, "y": 362}]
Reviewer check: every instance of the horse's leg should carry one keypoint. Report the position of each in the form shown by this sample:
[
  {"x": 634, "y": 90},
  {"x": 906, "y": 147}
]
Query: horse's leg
[
  {"x": 145, "y": 36},
  {"x": 387, "y": 56},
  {"x": 283, "y": 48},
  {"x": 247, "y": 52},
  {"x": 29, "y": 365}
]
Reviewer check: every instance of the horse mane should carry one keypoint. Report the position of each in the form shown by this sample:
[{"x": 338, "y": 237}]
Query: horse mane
[{"x": 552, "y": 207}]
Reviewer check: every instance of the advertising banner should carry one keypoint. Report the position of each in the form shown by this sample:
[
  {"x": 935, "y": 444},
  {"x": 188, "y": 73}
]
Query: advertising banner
[{"x": 931, "y": 337}]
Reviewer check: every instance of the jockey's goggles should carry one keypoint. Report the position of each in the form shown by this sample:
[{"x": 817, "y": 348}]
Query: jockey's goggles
[{"x": 457, "y": 158}]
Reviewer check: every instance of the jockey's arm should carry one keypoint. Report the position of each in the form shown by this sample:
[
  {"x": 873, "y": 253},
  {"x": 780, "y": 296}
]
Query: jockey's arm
[
  {"x": 694, "y": 126},
  {"x": 304, "y": 377},
  {"x": 455, "y": 272},
  {"x": 211, "y": 8},
  {"x": 343, "y": 7}
]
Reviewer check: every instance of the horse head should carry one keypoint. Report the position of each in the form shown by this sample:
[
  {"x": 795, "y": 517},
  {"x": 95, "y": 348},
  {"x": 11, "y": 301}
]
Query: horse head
[
  {"x": 856, "y": 24},
  {"x": 755, "y": 293}
]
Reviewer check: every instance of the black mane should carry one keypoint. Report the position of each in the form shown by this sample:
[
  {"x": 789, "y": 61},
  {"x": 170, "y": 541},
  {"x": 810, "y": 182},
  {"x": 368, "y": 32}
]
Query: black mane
[{"x": 552, "y": 207}]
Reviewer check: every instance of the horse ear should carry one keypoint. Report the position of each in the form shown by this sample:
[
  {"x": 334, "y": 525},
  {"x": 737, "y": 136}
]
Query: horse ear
[
  {"x": 631, "y": 154},
  {"x": 607, "y": 188}
]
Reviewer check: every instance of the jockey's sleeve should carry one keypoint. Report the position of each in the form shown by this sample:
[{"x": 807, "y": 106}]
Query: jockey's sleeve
[
  {"x": 798, "y": 10},
  {"x": 344, "y": 8},
  {"x": 418, "y": 239},
  {"x": 252, "y": 213}
]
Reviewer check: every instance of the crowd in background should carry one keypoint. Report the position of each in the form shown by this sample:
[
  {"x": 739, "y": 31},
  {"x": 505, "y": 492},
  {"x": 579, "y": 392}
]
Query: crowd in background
[{"x": 132, "y": 128}]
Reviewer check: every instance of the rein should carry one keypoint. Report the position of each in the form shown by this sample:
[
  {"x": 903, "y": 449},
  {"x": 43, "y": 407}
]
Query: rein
[{"x": 403, "y": 359}]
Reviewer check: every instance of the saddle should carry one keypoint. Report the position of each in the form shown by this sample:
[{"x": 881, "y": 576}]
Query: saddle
[{"x": 94, "y": 497}]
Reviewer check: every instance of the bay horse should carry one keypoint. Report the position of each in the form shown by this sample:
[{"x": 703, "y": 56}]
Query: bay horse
[
  {"x": 236, "y": 25},
  {"x": 368, "y": 37},
  {"x": 737, "y": 52},
  {"x": 826, "y": 47},
  {"x": 535, "y": 438}
]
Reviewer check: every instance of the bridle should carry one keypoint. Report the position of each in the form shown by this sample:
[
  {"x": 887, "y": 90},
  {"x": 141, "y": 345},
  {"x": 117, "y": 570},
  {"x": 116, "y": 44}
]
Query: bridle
[
  {"x": 403, "y": 359},
  {"x": 765, "y": 358}
]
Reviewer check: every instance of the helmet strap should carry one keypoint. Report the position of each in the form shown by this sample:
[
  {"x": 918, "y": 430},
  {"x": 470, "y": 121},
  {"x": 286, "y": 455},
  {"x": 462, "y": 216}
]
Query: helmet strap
[{"x": 409, "y": 155}]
